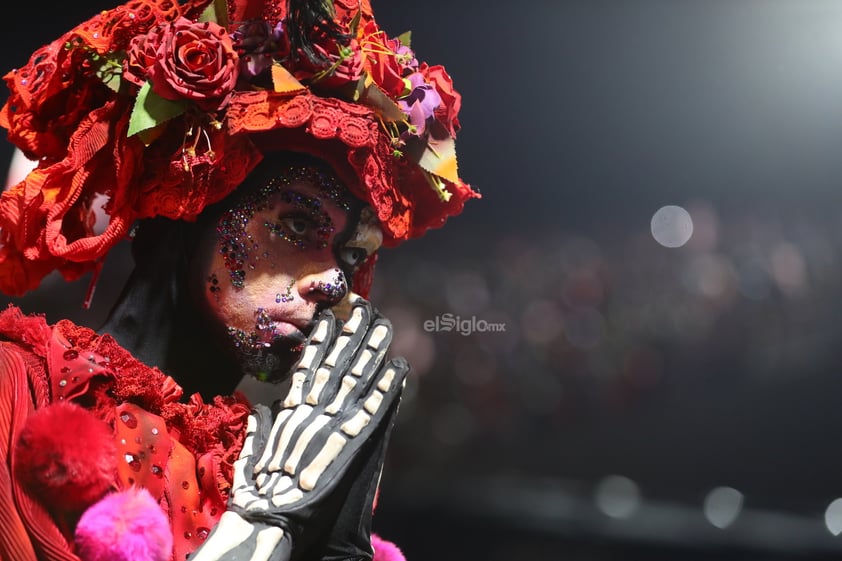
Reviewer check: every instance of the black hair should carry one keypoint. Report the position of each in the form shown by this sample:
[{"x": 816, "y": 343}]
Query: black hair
[{"x": 309, "y": 18}]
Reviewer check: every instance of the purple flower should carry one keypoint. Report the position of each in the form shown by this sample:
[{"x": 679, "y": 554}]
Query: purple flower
[
  {"x": 406, "y": 57},
  {"x": 420, "y": 104},
  {"x": 257, "y": 42}
]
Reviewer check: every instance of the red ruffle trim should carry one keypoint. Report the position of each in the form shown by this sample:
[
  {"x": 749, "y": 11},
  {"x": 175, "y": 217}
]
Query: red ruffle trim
[
  {"x": 182, "y": 452},
  {"x": 203, "y": 428},
  {"x": 349, "y": 136}
]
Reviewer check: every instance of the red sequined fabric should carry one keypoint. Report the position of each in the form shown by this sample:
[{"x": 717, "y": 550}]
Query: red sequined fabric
[{"x": 183, "y": 453}]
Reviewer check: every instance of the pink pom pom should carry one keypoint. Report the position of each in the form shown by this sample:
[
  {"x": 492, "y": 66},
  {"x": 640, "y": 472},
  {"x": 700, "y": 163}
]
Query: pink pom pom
[
  {"x": 385, "y": 550},
  {"x": 66, "y": 456},
  {"x": 125, "y": 526}
]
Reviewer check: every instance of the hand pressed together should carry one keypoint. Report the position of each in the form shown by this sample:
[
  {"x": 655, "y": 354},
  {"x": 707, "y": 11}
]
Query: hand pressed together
[{"x": 305, "y": 479}]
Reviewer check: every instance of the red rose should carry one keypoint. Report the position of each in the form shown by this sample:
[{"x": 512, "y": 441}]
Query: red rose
[
  {"x": 381, "y": 60},
  {"x": 446, "y": 113},
  {"x": 186, "y": 60},
  {"x": 140, "y": 58}
]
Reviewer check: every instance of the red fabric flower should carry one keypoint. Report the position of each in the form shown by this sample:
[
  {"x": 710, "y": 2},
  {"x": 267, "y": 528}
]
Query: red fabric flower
[
  {"x": 381, "y": 61},
  {"x": 447, "y": 113},
  {"x": 58, "y": 199},
  {"x": 186, "y": 60},
  {"x": 49, "y": 98},
  {"x": 19, "y": 275}
]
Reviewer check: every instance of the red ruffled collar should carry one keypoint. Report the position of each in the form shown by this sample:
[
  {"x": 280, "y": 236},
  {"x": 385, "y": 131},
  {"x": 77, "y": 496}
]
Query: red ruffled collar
[{"x": 95, "y": 371}]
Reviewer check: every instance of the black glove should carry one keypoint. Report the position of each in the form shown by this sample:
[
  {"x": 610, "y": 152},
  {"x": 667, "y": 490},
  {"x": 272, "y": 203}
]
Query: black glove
[{"x": 320, "y": 448}]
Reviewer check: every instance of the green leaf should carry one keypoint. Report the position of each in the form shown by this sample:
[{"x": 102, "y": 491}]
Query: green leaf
[
  {"x": 149, "y": 136},
  {"x": 110, "y": 70},
  {"x": 329, "y": 8},
  {"x": 217, "y": 12},
  {"x": 405, "y": 39},
  {"x": 150, "y": 110},
  {"x": 370, "y": 94},
  {"x": 355, "y": 22},
  {"x": 439, "y": 187}
]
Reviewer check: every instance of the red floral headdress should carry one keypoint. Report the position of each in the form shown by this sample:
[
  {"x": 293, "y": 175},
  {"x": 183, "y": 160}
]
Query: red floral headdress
[{"x": 162, "y": 108}]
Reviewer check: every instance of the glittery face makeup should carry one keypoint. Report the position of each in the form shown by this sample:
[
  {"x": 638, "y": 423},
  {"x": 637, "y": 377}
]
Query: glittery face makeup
[
  {"x": 304, "y": 221},
  {"x": 280, "y": 255}
]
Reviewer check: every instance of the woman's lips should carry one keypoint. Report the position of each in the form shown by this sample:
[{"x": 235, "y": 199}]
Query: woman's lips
[{"x": 281, "y": 330}]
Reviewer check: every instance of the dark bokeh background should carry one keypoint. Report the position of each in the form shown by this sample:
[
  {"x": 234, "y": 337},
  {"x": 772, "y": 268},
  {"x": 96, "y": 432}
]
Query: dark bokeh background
[{"x": 644, "y": 401}]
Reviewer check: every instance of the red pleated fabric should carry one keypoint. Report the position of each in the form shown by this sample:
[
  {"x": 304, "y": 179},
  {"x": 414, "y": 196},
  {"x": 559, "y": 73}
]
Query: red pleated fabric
[{"x": 181, "y": 451}]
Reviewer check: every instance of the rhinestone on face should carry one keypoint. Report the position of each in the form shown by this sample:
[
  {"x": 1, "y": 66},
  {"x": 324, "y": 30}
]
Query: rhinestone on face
[{"x": 239, "y": 250}]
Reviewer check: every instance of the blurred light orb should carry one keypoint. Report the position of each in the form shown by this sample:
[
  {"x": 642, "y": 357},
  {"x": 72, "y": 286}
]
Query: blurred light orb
[
  {"x": 706, "y": 232},
  {"x": 541, "y": 322},
  {"x": 710, "y": 275},
  {"x": 722, "y": 506},
  {"x": 789, "y": 268},
  {"x": 672, "y": 226},
  {"x": 585, "y": 328},
  {"x": 410, "y": 341},
  {"x": 833, "y": 517},
  {"x": 467, "y": 293},
  {"x": 617, "y": 496}
]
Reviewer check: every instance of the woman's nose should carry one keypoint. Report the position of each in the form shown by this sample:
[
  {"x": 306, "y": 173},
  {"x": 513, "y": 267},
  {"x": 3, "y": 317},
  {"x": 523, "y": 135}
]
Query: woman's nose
[{"x": 327, "y": 286}]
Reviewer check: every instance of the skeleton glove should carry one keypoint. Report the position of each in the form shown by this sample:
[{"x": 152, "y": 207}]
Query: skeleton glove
[{"x": 322, "y": 446}]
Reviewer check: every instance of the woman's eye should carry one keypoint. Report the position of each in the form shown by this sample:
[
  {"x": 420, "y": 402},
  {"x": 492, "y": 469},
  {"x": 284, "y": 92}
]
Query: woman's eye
[
  {"x": 297, "y": 226},
  {"x": 352, "y": 256}
]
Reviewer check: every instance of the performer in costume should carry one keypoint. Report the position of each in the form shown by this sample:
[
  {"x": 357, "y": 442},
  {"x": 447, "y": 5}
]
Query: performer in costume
[{"x": 259, "y": 154}]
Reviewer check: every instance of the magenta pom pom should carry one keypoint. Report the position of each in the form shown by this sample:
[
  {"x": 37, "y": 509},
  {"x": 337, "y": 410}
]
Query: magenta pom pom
[
  {"x": 385, "y": 550},
  {"x": 125, "y": 526}
]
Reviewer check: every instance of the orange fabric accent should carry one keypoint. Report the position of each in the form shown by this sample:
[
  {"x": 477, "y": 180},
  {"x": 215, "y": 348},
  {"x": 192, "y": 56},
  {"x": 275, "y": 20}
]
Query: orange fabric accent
[
  {"x": 144, "y": 448},
  {"x": 154, "y": 458},
  {"x": 192, "y": 516}
]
